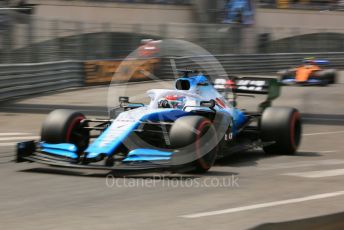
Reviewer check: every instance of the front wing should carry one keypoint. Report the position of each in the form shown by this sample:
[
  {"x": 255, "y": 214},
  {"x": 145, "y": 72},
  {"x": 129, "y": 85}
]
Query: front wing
[{"x": 28, "y": 152}]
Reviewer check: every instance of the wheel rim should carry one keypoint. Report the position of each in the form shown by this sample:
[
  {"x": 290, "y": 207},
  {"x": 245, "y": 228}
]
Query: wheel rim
[
  {"x": 74, "y": 135},
  {"x": 202, "y": 160},
  {"x": 295, "y": 130}
]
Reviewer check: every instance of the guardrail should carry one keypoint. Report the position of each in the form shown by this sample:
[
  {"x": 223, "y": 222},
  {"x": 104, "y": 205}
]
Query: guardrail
[
  {"x": 18, "y": 80},
  {"x": 259, "y": 64}
]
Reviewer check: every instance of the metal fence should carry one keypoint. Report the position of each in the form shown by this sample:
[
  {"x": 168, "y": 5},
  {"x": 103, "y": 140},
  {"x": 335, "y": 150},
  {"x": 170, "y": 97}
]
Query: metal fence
[
  {"x": 17, "y": 80},
  {"x": 27, "y": 39},
  {"x": 251, "y": 64}
]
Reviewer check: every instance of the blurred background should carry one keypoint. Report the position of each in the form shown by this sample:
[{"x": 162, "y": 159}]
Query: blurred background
[
  {"x": 51, "y": 30},
  {"x": 51, "y": 51}
]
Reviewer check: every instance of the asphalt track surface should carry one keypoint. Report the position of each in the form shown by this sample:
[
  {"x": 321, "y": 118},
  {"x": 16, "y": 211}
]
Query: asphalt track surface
[{"x": 246, "y": 190}]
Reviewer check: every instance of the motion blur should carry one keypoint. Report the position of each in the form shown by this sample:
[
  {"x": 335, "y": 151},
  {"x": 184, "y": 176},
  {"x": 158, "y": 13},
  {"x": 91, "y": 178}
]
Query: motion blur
[{"x": 173, "y": 114}]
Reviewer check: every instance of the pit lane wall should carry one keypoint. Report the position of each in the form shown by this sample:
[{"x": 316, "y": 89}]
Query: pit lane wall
[{"x": 23, "y": 80}]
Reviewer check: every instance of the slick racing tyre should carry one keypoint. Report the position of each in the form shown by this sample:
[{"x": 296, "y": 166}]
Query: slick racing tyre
[
  {"x": 327, "y": 76},
  {"x": 286, "y": 74},
  {"x": 282, "y": 127},
  {"x": 64, "y": 126},
  {"x": 195, "y": 136}
]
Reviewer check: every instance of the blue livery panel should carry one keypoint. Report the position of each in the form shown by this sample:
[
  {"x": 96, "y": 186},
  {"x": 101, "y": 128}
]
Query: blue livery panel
[
  {"x": 148, "y": 155},
  {"x": 63, "y": 149},
  {"x": 109, "y": 140}
]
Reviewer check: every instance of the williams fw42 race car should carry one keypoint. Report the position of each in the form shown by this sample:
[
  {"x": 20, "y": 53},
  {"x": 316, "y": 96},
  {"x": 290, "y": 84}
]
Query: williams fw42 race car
[
  {"x": 184, "y": 129},
  {"x": 310, "y": 73}
]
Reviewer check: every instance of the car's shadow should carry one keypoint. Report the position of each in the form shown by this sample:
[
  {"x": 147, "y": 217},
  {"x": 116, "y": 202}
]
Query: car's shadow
[
  {"x": 151, "y": 175},
  {"x": 64, "y": 172},
  {"x": 242, "y": 159},
  {"x": 251, "y": 158}
]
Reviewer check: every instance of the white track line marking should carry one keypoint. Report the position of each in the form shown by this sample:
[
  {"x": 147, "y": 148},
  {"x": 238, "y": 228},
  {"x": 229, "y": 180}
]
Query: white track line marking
[
  {"x": 302, "y": 164},
  {"x": 40, "y": 109},
  {"x": 318, "y": 174},
  {"x": 264, "y": 205},
  {"x": 19, "y": 138},
  {"x": 8, "y": 144},
  {"x": 323, "y": 133},
  {"x": 14, "y": 134},
  {"x": 324, "y": 119},
  {"x": 327, "y": 151},
  {"x": 316, "y": 151}
]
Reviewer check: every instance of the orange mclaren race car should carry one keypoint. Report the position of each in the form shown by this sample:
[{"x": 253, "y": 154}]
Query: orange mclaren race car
[{"x": 309, "y": 73}]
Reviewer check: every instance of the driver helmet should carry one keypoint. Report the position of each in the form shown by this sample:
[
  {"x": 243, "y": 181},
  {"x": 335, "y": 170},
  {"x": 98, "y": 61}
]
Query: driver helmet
[
  {"x": 309, "y": 61},
  {"x": 173, "y": 101}
]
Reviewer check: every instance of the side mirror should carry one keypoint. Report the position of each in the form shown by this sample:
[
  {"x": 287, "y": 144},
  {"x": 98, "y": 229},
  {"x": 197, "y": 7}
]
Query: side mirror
[
  {"x": 210, "y": 104},
  {"x": 123, "y": 99}
]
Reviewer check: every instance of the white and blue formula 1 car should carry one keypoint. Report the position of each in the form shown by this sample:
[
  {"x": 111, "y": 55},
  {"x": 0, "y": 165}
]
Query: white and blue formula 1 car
[{"x": 184, "y": 129}]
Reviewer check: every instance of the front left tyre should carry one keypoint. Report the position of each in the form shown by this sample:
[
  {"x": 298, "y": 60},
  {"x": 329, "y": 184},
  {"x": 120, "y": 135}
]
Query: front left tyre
[{"x": 65, "y": 126}]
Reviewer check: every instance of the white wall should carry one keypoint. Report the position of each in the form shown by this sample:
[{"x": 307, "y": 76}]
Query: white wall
[
  {"x": 283, "y": 23},
  {"x": 119, "y": 13}
]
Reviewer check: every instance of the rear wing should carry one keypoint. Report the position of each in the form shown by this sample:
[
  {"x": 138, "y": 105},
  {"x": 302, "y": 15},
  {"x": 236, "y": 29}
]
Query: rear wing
[
  {"x": 258, "y": 85},
  {"x": 316, "y": 61},
  {"x": 250, "y": 85}
]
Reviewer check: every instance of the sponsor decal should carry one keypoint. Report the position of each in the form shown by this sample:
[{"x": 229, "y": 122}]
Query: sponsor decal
[
  {"x": 102, "y": 72},
  {"x": 251, "y": 85}
]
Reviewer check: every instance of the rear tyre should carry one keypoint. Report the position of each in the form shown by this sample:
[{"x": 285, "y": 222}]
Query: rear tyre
[
  {"x": 195, "y": 136},
  {"x": 64, "y": 126},
  {"x": 332, "y": 76},
  {"x": 324, "y": 82},
  {"x": 281, "y": 125},
  {"x": 286, "y": 74},
  {"x": 327, "y": 76}
]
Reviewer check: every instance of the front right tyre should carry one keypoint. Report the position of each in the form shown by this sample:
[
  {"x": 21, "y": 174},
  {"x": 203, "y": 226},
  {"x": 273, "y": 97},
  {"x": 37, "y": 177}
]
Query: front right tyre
[{"x": 195, "y": 136}]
